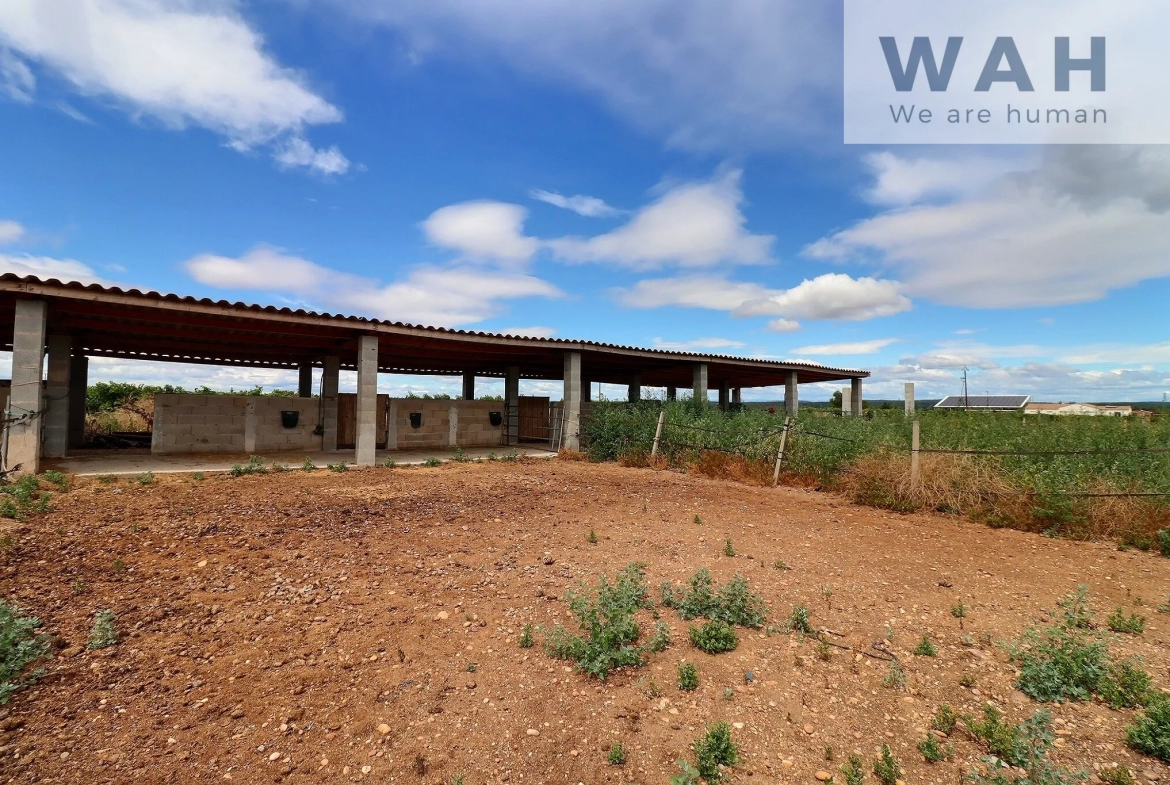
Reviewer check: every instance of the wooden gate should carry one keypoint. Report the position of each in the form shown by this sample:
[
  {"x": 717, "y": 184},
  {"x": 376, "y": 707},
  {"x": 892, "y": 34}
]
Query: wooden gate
[
  {"x": 347, "y": 420},
  {"x": 533, "y": 423}
]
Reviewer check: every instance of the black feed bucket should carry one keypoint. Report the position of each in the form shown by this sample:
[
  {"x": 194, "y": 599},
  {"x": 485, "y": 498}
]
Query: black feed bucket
[
  {"x": 495, "y": 418},
  {"x": 289, "y": 419},
  {"x": 415, "y": 419}
]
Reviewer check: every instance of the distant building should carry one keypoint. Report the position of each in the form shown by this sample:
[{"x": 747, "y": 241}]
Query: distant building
[
  {"x": 985, "y": 403},
  {"x": 1081, "y": 409}
]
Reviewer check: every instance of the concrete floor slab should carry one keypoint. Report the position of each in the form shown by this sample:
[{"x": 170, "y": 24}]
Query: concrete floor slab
[{"x": 134, "y": 461}]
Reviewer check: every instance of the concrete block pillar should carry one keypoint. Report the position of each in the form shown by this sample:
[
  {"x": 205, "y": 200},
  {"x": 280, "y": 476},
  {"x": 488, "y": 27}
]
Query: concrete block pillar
[
  {"x": 672, "y": 393},
  {"x": 571, "y": 436},
  {"x": 635, "y": 393},
  {"x": 512, "y": 404},
  {"x": 392, "y": 424},
  {"x": 57, "y": 389},
  {"x": 855, "y": 396},
  {"x": 724, "y": 396},
  {"x": 78, "y": 386},
  {"x": 586, "y": 391},
  {"x": 330, "y": 374},
  {"x": 453, "y": 424},
  {"x": 846, "y": 401},
  {"x": 469, "y": 385},
  {"x": 27, "y": 396},
  {"x": 305, "y": 381},
  {"x": 700, "y": 382},
  {"x": 736, "y": 397},
  {"x": 909, "y": 399},
  {"x": 367, "y": 401},
  {"x": 791, "y": 394}
]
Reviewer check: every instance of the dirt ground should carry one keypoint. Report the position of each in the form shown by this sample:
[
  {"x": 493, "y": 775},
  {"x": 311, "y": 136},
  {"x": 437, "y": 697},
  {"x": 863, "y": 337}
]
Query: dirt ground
[{"x": 321, "y": 627}]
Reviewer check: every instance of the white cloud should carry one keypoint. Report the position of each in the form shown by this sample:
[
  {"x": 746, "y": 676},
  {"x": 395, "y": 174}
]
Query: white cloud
[
  {"x": 588, "y": 206},
  {"x": 45, "y": 267},
  {"x": 857, "y": 347},
  {"x": 831, "y": 296},
  {"x": 704, "y": 344},
  {"x": 708, "y": 75},
  {"x": 295, "y": 151},
  {"x": 691, "y": 291},
  {"x": 16, "y": 78},
  {"x": 482, "y": 230},
  {"x": 1086, "y": 220},
  {"x": 10, "y": 232},
  {"x": 530, "y": 332},
  {"x": 433, "y": 295},
  {"x": 898, "y": 180},
  {"x": 783, "y": 326},
  {"x": 691, "y": 225},
  {"x": 180, "y": 62}
]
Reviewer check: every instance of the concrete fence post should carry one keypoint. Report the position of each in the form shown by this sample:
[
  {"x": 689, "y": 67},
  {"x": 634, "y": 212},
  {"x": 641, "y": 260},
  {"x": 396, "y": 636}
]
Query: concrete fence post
[
  {"x": 658, "y": 433},
  {"x": 914, "y": 454}
]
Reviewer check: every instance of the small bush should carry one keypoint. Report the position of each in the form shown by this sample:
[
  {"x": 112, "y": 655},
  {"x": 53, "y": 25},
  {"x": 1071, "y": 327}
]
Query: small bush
[
  {"x": 60, "y": 479},
  {"x": 339, "y": 467},
  {"x": 459, "y": 456},
  {"x": 1164, "y": 542},
  {"x": 687, "y": 775},
  {"x": 798, "y": 620},
  {"x": 1131, "y": 625},
  {"x": 198, "y": 476},
  {"x": 1035, "y": 741},
  {"x": 852, "y": 771},
  {"x": 606, "y": 617},
  {"x": 660, "y": 640},
  {"x": 146, "y": 478},
  {"x": 959, "y": 610},
  {"x": 886, "y": 767},
  {"x": 103, "y": 633},
  {"x": 824, "y": 651},
  {"x": 1117, "y": 775},
  {"x": 1126, "y": 686},
  {"x": 526, "y": 637},
  {"x": 1065, "y": 661},
  {"x": 389, "y": 463},
  {"x": 688, "y": 677},
  {"x": 715, "y": 749},
  {"x": 1002, "y": 739},
  {"x": 727, "y": 549},
  {"x": 945, "y": 719},
  {"x": 23, "y": 498},
  {"x": 617, "y": 755},
  {"x": 934, "y": 752},
  {"x": 20, "y": 646},
  {"x": 255, "y": 465},
  {"x": 896, "y": 676},
  {"x": 925, "y": 648},
  {"x": 308, "y": 465},
  {"x": 1150, "y": 732},
  {"x": 714, "y": 637},
  {"x": 732, "y": 602}
]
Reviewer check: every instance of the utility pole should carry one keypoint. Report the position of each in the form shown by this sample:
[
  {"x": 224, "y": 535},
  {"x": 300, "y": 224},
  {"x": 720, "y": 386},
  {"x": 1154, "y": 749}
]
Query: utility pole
[{"x": 965, "y": 401}]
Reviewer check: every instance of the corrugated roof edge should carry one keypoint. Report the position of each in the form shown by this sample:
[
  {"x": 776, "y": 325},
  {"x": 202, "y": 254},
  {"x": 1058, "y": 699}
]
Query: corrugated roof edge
[{"x": 153, "y": 295}]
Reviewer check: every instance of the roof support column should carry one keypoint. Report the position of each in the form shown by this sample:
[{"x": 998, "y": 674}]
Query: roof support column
[
  {"x": 791, "y": 394},
  {"x": 367, "y": 401},
  {"x": 635, "y": 393},
  {"x": 78, "y": 387},
  {"x": 571, "y": 433},
  {"x": 909, "y": 399},
  {"x": 700, "y": 382},
  {"x": 469, "y": 385},
  {"x": 586, "y": 391},
  {"x": 671, "y": 393},
  {"x": 855, "y": 397},
  {"x": 512, "y": 404},
  {"x": 329, "y": 377},
  {"x": 846, "y": 402},
  {"x": 57, "y": 389},
  {"x": 724, "y": 396},
  {"x": 736, "y": 397},
  {"x": 305, "y": 381},
  {"x": 26, "y": 397}
]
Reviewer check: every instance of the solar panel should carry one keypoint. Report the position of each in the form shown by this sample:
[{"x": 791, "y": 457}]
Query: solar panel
[{"x": 983, "y": 402}]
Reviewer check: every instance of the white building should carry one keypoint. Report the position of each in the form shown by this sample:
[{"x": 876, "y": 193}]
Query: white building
[{"x": 1082, "y": 409}]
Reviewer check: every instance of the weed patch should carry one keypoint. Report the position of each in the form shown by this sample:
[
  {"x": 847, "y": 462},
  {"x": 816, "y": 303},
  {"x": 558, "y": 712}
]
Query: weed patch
[
  {"x": 1150, "y": 733},
  {"x": 1034, "y": 742},
  {"x": 715, "y": 749},
  {"x": 104, "y": 632},
  {"x": 886, "y": 767},
  {"x": 732, "y": 603},
  {"x": 23, "y": 498},
  {"x": 20, "y": 646},
  {"x": 714, "y": 637},
  {"x": 1128, "y": 625},
  {"x": 688, "y": 677}
]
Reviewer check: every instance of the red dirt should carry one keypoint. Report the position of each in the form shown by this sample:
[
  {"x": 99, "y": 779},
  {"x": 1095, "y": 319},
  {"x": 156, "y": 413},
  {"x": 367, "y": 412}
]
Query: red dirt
[{"x": 270, "y": 625}]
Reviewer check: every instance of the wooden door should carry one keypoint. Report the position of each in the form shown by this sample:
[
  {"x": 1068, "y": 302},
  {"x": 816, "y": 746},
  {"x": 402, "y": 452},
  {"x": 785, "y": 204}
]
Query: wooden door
[
  {"x": 533, "y": 418},
  {"x": 347, "y": 420}
]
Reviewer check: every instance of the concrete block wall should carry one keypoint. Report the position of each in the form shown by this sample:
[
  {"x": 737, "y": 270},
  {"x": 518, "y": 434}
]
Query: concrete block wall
[
  {"x": 474, "y": 426},
  {"x": 435, "y": 430},
  {"x": 232, "y": 424}
]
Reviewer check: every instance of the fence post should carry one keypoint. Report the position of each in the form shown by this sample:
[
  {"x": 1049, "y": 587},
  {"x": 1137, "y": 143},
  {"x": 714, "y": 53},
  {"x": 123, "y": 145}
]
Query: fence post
[
  {"x": 658, "y": 433},
  {"x": 914, "y": 447},
  {"x": 780, "y": 452}
]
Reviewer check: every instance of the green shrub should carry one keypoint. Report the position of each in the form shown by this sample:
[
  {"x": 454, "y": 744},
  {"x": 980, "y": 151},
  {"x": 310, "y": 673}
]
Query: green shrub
[
  {"x": 308, "y": 465},
  {"x": 798, "y": 620},
  {"x": 715, "y": 749},
  {"x": 1035, "y": 742},
  {"x": 23, "y": 498},
  {"x": 852, "y": 771},
  {"x": 617, "y": 755},
  {"x": 342, "y": 466},
  {"x": 60, "y": 479},
  {"x": 606, "y": 617},
  {"x": 714, "y": 637},
  {"x": 1129, "y": 625},
  {"x": 925, "y": 648},
  {"x": 1117, "y": 775},
  {"x": 526, "y": 637},
  {"x": 1002, "y": 739},
  {"x": 688, "y": 677},
  {"x": 732, "y": 602},
  {"x": 934, "y": 752},
  {"x": 727, "y": 549},
  {"x": 1164, "y": 542},
  {"x": 20, "y": 646},
  {"x": 660, "y": 640},
  {"x": 959, "y": 610},
  {"x": 687, "y": 775},
  {"x": 1126, "y": 686},
  {"x": 103, "y": 633},
  {"x": 1150, "y": 732},
  {"x": 896, "y": 676},
  {"x": 945, "y": 719},
  {"x": 460, "y": 456},
  {"x": 886, "y": 767},
  {"x": 146, "y": 478}
]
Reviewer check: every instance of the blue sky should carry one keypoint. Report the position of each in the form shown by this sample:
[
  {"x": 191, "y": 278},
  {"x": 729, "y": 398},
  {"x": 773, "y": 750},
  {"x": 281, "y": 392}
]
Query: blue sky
[{"x": 661, "y": 173}]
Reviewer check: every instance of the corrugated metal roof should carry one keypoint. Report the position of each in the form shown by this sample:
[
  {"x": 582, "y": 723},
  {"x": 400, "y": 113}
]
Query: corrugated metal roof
[{"x": 98, "y": 289}]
